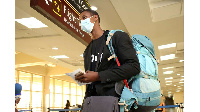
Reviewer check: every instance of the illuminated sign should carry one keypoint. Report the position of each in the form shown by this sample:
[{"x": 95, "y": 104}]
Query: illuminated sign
[{"x": 64, "y": 14}]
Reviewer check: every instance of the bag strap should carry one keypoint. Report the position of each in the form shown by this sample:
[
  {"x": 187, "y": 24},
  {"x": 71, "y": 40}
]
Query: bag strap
[
  {"x": 112, "y": 51},
  {"x": 123, "y": 104}
]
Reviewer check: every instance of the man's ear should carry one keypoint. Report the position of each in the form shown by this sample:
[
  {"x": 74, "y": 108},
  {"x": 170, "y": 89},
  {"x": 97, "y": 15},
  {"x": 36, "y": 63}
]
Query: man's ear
[{"x": 96, "y": 18}]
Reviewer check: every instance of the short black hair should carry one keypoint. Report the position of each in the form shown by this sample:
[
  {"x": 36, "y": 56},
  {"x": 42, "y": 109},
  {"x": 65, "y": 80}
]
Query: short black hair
[{"x": 92, "y": 12}]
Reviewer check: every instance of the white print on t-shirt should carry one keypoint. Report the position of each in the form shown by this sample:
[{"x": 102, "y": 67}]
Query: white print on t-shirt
[{"x": 94, "y": 58}]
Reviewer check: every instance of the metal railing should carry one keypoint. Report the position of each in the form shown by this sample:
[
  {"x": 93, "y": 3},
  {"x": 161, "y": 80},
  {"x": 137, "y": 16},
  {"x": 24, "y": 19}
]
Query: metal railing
[
  {"x": 67, "y": 110},
  {"x": 26, "y": 110},
  {"x": 178, "y": 107}
]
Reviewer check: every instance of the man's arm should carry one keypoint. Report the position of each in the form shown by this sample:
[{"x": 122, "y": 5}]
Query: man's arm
[{"x": 127, "y": 57}]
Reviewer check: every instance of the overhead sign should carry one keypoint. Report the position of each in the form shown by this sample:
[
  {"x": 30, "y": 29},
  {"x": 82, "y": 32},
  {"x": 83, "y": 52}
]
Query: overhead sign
[
  {"x": 64, "y": 14},
  {"x": 79, "y": 5}
]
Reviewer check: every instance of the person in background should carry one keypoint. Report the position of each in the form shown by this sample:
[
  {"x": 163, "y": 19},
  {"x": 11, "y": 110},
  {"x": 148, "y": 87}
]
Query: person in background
[
  {"x": 67, "y": 105},
  {"x": 18, "y": 89}
]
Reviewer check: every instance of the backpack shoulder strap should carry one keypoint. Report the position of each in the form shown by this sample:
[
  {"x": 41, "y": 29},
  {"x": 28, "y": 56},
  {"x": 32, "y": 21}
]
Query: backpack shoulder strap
[
  {"x": 122, "y": 103},
  {"x": 109, "y": 44},
  {"x": 112, "y": 51}
]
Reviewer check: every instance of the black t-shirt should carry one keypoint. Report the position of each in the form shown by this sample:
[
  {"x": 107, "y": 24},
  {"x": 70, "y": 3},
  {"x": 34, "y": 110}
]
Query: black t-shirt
[
  {"x": 95, "y": 52},
  {"x": 96, "y": 47}
]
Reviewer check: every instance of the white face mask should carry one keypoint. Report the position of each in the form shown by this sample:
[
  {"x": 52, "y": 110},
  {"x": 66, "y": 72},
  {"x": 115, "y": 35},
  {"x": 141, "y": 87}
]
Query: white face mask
[{"x": 86, "y": 25}]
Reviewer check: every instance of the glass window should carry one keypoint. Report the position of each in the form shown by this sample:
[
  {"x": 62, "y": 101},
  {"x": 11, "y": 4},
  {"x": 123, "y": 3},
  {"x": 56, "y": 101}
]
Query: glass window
[
  {"x": 79, "y": 100},
  {"x": 51, "y": 85},
  {"x": 73, "y": 100},
  {"x": 66, "y": 89},
  {"x": 25, "y": 80},
  {"x": 58, "y": 86},
  {"x": 58, "y": 94},
  {"x": 37, "y": 83},
  {"x": 51, "y": 100},
  {"x": 58, "y": 100},
  {"x": 37, "y": 93},
  {"x": 25, "y": 100},
  {"x": 79, "y": 90},
  {"x": 36, "y": 99},
  {"x": 51, "y": 97},
  {"x": 79, "y": 94},
  {"x": 73, "y": 89},
  {"x": 84, "y": 89}
]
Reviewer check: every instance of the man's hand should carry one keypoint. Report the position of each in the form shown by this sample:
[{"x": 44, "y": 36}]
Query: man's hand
[{"x": 89, "y": 76}]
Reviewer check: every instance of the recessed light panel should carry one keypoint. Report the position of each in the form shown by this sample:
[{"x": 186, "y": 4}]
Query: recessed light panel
[
  {"x": 181, "y": 60},
  {"x": 168, "y": 67},
  {"x": 31, "y": 22},
  {"x": 81, "y": 55},
  {"x": 55, "y": 48},
  {"x": 93, "y": 8},
  {"x": 167, "y": 46},
  {"x": 59, "y": 56},
  {"x": 168, "y": 78},
  {"x": 168, "y": 72},
  {"x": 167, "y": 57},
  {"x": 169, "y": 84}
]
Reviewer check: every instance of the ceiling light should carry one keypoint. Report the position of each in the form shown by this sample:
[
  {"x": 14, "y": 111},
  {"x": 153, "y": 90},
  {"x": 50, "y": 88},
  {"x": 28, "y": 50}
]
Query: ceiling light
[
  {"x": 168, "y": 78},
  {"x": 181, "y": 82},
  {"x": 167, "y": 67},
  {"x": 55, "y": 48},
  {"x": 59, "y": 56},
  {"x": 81, "y": 55},
  {"x": 181, "y": 60},
  {"x": 167, "y": 57},
  {"x": 168, "y": 72},
  {"x": 182, "y": 76},
  {"x": 51, "y": 65},
  {"x": 31, "y": 22},
  {"x": 177, "y": 74},
  {"x": 169, "y": 84},
  {"x": 167, "y": 46},
  {"x": 174, "y": 85},
  {"x": 93, "y": 8},
  {"x": 168, "y": 81},
  {"x": 177, "y": 90}
]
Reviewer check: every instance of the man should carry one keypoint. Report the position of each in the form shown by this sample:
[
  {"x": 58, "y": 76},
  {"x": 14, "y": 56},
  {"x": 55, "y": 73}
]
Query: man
[{"x": 103, "y": 73}]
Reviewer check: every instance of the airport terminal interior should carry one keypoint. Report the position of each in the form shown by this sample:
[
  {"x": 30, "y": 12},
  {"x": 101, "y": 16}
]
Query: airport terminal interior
[{"x": 45, "y": 53}]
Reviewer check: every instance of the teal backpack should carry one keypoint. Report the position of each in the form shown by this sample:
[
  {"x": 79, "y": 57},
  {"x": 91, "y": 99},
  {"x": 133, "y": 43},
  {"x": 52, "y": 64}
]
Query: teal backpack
[{"x": 144, "y": 88}]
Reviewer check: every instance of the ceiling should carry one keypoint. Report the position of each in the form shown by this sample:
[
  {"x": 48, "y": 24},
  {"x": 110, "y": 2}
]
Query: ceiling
[{"x": 160, "y": 20}]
